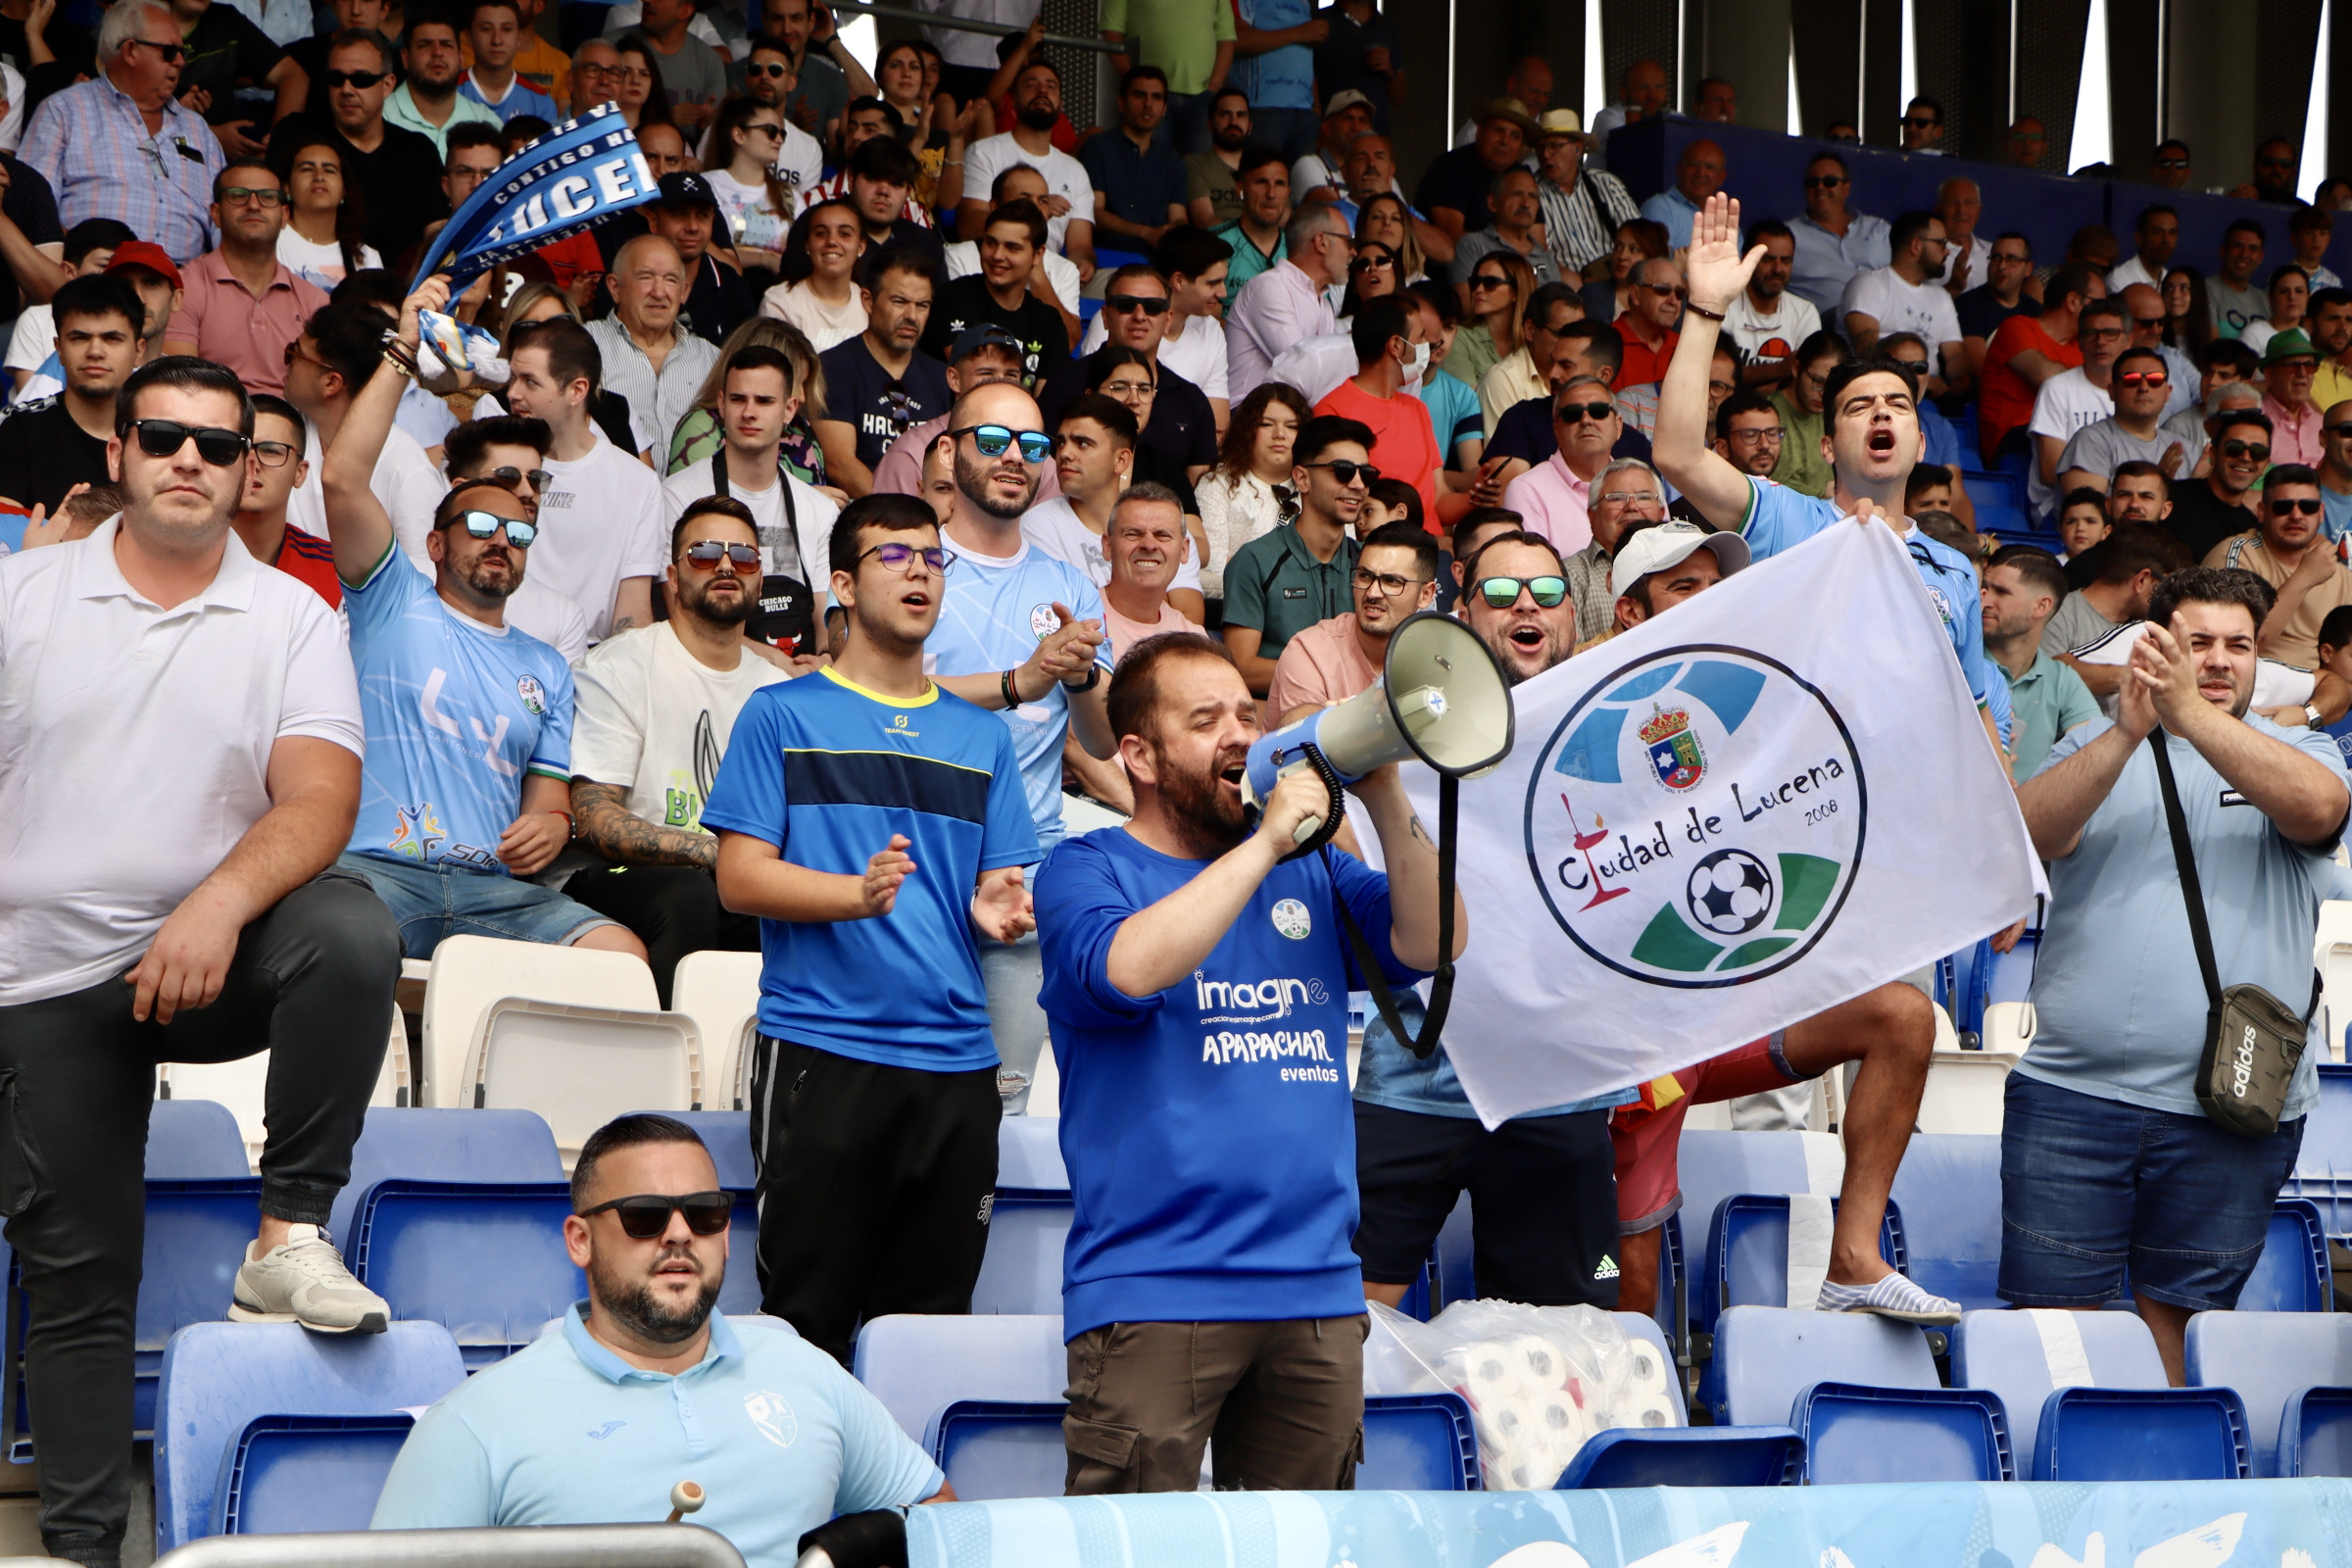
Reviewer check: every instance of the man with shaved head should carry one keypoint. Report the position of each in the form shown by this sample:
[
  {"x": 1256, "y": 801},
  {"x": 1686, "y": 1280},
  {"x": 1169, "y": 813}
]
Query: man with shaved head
[
  {"x": 1958, "y": 205},
  {"x": 1698, "y": 175},
  {"x": 650, "y": 357}
]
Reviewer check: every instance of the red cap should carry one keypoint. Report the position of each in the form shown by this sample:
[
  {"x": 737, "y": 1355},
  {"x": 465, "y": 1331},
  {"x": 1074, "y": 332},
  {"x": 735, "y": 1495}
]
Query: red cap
[{"x": 145, "y": 253}]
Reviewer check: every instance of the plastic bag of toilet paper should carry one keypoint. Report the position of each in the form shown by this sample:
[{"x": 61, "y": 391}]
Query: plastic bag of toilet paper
[{"x": 1540, "y": 1380}]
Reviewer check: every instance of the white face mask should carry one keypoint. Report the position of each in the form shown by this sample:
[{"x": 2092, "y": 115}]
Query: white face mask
[{"x": 1416, "y": 364}]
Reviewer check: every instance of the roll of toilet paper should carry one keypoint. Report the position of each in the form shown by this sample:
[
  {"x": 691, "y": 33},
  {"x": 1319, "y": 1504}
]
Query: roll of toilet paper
[
  {"x": 1484, "y": 1368},
  {"x": 1641, "y": 1370},
  {"x": 1539, "y": 1360},
  {"x": 1647, "y": 1410}
]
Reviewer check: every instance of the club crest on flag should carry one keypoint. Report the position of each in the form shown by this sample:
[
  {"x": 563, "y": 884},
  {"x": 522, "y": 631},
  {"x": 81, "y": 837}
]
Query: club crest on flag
[
  {"x": 1673, "y": 749},
  {"x": 1744, "y": 866}
]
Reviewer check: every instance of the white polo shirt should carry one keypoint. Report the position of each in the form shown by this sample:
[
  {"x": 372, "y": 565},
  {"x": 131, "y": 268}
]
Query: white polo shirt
[{"x": 134, "y": 745}]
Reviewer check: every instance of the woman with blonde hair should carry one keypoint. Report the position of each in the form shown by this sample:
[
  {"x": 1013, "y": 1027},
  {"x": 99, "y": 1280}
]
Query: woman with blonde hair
[
  {"x": 1496, "y": 293},
  {"x": 701, "y": 432},
  {"x": 1248, "y": 495}
]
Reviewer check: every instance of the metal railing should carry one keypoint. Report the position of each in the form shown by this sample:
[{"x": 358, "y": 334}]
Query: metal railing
[{"x": 649, "y": 1546}]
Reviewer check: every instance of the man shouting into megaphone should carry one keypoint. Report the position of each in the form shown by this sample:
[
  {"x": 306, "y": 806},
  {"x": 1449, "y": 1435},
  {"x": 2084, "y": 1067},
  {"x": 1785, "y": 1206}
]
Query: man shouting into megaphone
[{"x": 1196, "y": 985}]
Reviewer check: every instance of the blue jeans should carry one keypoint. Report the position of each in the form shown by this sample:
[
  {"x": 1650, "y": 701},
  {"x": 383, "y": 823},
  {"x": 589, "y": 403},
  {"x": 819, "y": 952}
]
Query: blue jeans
[
  {"x": 1014, "y": 972},
  {"x": 432, "y": 901},
  {"x": 2090, "y": 1185}
]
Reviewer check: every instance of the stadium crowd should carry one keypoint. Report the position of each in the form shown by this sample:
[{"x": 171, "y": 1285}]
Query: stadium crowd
[{"x": 922, "y": 478}]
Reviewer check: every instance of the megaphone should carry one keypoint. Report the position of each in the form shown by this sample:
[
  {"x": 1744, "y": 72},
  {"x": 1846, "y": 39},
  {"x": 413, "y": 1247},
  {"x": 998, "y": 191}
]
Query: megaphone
[{"x": 1441, "y": 698}]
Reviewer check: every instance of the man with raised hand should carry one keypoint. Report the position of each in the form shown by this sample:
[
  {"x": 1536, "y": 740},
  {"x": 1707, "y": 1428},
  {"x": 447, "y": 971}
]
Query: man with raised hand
[
  {"x": 874, "y": 1072},
  {"x": 1209, "y": 1286},
  {"x": 1023, "y": 632},
  {"x": 1871, "y": 440},
  {"x": 210, "y": 925},
  {"x": 466, "y": 792}
]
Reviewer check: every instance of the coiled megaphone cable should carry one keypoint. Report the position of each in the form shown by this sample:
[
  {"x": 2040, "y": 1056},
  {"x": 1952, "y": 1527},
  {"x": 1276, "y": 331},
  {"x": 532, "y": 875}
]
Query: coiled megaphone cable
[{"x": 1440, "y": 985}]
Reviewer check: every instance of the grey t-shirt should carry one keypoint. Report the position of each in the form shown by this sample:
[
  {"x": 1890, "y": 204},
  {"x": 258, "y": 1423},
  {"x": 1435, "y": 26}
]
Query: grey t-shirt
[
  {"x": 2234, "y": 309},
  {"x": 695, "y": 76},
  {"x": 2076, "y": 624},
  {"x": 2118, "y": 1001},
  {"x": 1470, "y": 247},
  {"x": 2106, "y": 446}
]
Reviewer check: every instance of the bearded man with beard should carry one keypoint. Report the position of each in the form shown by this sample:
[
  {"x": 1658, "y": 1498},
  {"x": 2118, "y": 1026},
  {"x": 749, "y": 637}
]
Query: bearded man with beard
[
  {"x": 780, "y": 1437},
  {"x": 465, "y": 792},
  {"x": 657, "y": 707},
  {"x": 1196, "y": 985}
]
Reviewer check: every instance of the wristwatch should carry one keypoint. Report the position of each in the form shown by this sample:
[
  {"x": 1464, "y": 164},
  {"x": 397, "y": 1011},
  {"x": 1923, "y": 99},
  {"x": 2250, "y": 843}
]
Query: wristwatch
[
  {"x": 1094, "y": 678},
  {"x": 2311, "y": 717}
]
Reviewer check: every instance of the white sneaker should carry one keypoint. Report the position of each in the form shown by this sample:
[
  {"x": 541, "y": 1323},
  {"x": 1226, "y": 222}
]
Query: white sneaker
[{"x": 305, "y": 1282}]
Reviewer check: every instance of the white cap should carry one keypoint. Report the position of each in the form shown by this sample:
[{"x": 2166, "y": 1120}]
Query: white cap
[{"x": 1669, "y": 544}]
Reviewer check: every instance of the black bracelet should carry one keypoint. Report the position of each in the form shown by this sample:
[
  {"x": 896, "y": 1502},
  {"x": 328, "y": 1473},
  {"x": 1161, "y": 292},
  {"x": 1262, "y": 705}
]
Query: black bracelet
[
  {"x": 1012, "y": 698},
  {"x": 1696, "y": 309}
]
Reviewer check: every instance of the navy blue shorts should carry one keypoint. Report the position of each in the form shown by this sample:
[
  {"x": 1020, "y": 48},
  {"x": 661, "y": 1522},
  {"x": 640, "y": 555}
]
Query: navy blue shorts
[{"x": 2091, "y": 1187}]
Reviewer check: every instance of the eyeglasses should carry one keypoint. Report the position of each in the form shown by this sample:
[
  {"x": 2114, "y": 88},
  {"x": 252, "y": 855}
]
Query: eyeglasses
[
  {"x": 2143, "y": 377},
  {"x": 1501, "y": 593},
  {"x": 1576, "y": 412},
  {"x": 1479, "y": 281},
  {"x": 355, "y": 79},
  {"x": 1915, "y": 367},
  {"x": 163, "y": 438},
  {"x": 1620, "y": 498},
  {"x": 897, "y": 556},
  {"x": 646, "y": 1215},
  {"x": 2105, "y": 331},
  {"x": 705, "y": 553},
  {"x": 2274, "y": 163},
  {"x": 1756, "y": 438},
  {"x": 2013, "y": 257},
  {"x": 485, "y": 526},
  {"x": 1387, "y": 584},
  {"x": 539, "y": 478},
  {"x": 2246, "y": 448},
  {"x": 2309, "y": 507},
  {"x": 2171, "y": 162},
  {"x": 173, "y": 53},
  {"x": 1346, "y": 471},
  {"x": 232, "y": 195},
  {"x": 771, "y": 70},
  {"x": 1824, "y": 182},
  {"x": 995, "y": 440},
  {"x": 1129, "y": 304},
  {"x": 273, "y": 454}
]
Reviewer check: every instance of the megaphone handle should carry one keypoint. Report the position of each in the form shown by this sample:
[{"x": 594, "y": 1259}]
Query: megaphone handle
[
  {"x": 1313, "y": 834},
  {"x": 1440, "y": 989}
]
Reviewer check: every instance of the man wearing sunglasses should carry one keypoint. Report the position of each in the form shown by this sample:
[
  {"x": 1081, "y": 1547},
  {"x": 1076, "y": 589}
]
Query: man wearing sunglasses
[
  {"x": 207, "y": 926},
  {"x": 124, "y": 146},
  {"x": 656, "y": 711},
  {"x": 241, "y": 306},
  {"x": 1181, "y": 431},
  {"x": 50, "y": 445},
  {"x": 1833, "y": 241},
  {"x": 398, "y": 169},
  {"x": 780, "y": 1439},
  {"x": 1209, "y": 1286},
  {"x": 2336, "y": 471},
  {"x": 2291, "y": 552},
  {"x": 1649, "y": 326},
  {"x": 2221, "y": 506},
  {"x": 875, "y": 1071},
  {"x": 466, "y": 791},
  {"x": 512, "y": 451},
  {"x": 1157, "y": 318},
  {"x": 1555, "y": 497},
  {"x": 2141, "y": 384},
  {"x": 1281, "y": 583}
]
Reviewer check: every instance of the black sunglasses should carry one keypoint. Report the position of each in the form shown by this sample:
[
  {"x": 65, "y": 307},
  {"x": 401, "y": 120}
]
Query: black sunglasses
[
  {"x": 646, "y": 1215},
  {"x": 173, "y": 53},
  {"x": 540, "y": 479},
  {"x": 485, "y": 524},
  {"x": 1576, "y": 412},
  {"x": 706, "y": 553},
  {"x": 163, "y": 438},
  {"x": 1823, "y": 181},
  {"x": 1345, "y": 471},
  {"x": 766, "y": 71},
  {"x": 1501, "y": 593},
  {"x": 2341, "y": 428},
  {"x": 1129, "y": 304},
  {"x": 2246, "y": 448},
  {"x": 355, "y": 79},
  {"x": 2309, "y": 508}
]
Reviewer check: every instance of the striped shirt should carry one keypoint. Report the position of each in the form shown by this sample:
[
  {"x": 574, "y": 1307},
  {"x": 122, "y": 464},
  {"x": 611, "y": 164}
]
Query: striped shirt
[
  {"x": 94, "y": 145},
  {"x": 1580, "y": 225},
  {"x": 836, "y": 189}
]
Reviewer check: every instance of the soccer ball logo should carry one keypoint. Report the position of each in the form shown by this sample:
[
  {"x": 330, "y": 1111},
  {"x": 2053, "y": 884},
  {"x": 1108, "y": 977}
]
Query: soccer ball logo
[{"x": 1730, "y": 893}]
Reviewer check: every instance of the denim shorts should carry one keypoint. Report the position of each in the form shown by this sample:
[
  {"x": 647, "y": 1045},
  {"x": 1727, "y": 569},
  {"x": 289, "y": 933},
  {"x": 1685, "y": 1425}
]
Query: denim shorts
[
  {"x": 432, "y": 901},
  {"x": 2091, "y": 1187}
]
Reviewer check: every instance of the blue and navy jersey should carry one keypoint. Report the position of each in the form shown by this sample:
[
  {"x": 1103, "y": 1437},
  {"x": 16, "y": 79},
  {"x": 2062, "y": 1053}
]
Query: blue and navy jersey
[
  {"x": 456, "y": 714},
  {"x": 827, "y": 771}
]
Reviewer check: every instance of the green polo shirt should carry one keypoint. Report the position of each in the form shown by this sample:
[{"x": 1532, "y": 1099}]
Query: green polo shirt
[
  {"x": 1248, "y": 260},
  {"x": 1275, "y": 586},
  {"x": 2048, "y": 699},
  {"x": 1180, "y": 36}
]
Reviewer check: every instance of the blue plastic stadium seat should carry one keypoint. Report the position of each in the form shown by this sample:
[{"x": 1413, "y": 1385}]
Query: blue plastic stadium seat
[
  {"x": 194, "y": 1140},
  {"x": 1089, "y": 307},
  {"x": 218, "y": 1378},
  {"x": 2292, "y": 1274},
  {"x": 483, "y": 1259},
  {"x": 2009, "y": 976},
  {"x": 994, "y": 1449},
  {"x": 2002, "y": 1351},
  {"x": 2267, "y": 1358},
  {"x": 1029, "y": 1155},
  {"x": 727, "y": 1134},
  {"x": 1692, "y": 1456},
  {"x": 1713, "y": 1165},
  {"x": 1112, "y": 261},
  {"x": 2000, "y": 502},
  {"x": 919, "y": 1365},
  {"x": 287, "y": 1474},
  {"x": 1771, "y": 1354},
  {"x": 1674, "y": 1274},
  {"x": 1747, "y": 1254},
  {"x": 1457, "y": 1279},
  {"x": 2323, "y": 1164},
  {"x": 1949, "y": 1189},
  {"x": 2142, "y": 1435},
  {"x": 444, "y": 1145},
  {"x": 2315, "y": 1433},
  {"x": 1021, "y": 1271},
  {"x": 1855, "y": 1434}
]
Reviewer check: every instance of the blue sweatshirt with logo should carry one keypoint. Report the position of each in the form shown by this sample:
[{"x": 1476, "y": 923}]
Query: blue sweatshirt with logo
[{"x": 1207, "y": 1128}]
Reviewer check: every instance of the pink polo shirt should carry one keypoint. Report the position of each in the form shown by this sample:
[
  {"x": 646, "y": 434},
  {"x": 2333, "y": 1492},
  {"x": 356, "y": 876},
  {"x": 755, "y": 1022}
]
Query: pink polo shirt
[
  {"x": 1324, "y": 663},
  {"x": 230, "y": 328},
  {"x": 2294, "y": 438},
  {"x": 1555, "y": 502}
]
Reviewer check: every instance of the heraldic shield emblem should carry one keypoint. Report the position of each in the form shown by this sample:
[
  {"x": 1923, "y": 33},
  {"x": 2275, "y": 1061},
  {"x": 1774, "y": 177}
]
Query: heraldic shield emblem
[{"x": 1673, "y": 749}]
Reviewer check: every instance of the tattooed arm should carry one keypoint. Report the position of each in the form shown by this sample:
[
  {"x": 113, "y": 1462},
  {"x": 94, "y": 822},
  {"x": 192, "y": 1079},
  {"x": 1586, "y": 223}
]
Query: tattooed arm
[{"x": 618, "y": 834}]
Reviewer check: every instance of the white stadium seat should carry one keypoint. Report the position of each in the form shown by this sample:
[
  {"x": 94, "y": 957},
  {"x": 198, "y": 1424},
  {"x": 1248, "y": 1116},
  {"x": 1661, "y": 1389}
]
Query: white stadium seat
[
  {"x": 720, "y": 992},
  {"x": 2331, "y": 953},
  {"x": 470, "y": 973},
  {"x": 581, "y": 1067},
  {"x": 1964, "y": 1091}
]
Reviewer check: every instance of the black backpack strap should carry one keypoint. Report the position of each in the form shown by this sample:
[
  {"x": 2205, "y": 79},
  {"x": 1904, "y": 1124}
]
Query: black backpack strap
[
  {"x": 2185, "y": 859},
  {"x": 1441, "y": 991},
  {"x": 719, "y": 468}
]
